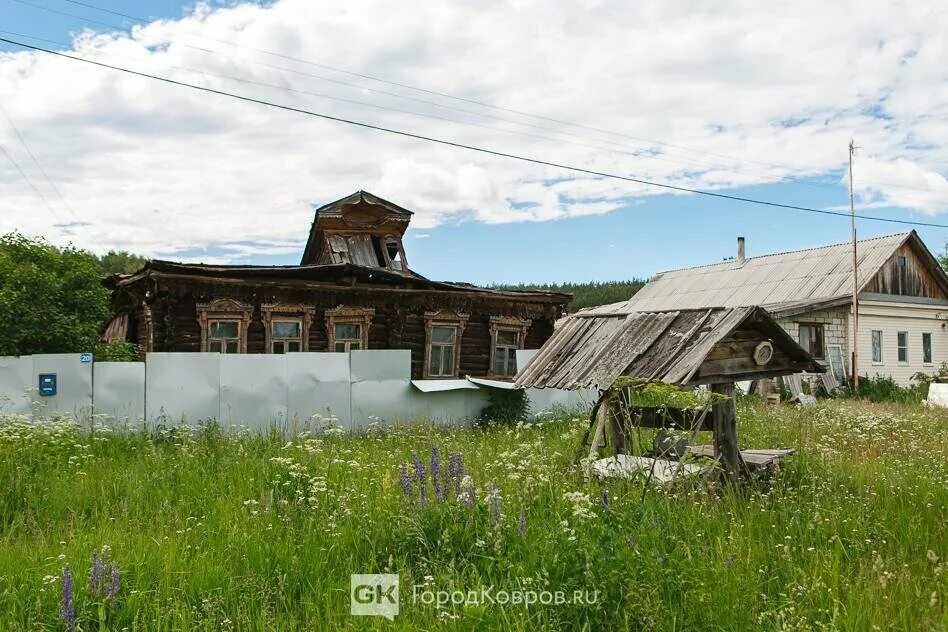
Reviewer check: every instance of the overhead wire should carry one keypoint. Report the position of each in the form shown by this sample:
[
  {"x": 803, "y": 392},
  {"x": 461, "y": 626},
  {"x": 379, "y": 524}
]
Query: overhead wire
[
  {"x": 801, "y": 172},
  {"x": 805, "y": 179},
  {"x": 459, "y": 145}
]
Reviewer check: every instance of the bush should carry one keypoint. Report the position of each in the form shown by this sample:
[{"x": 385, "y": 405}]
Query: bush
[
  {"x": 116, "y": 351},
  {"x": 882, "y": 388},
  {"x": 505, "y": 407}
]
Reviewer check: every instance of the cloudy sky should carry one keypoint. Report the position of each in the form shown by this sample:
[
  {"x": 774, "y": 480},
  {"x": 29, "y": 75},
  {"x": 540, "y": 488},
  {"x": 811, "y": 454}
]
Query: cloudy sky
[{"x": 744, "y": 98}]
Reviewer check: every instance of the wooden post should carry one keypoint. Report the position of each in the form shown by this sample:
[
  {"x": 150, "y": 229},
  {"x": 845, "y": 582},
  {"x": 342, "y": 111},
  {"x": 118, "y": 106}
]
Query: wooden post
[
  {"x": 724, "y": 421},
  {"x": 601, "y": 416}
]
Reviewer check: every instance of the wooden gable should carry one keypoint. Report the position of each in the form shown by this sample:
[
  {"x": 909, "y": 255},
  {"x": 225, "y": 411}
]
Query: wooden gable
[
  {"x": 911, "y": 271},
  {"x": 360, "y": 229}
]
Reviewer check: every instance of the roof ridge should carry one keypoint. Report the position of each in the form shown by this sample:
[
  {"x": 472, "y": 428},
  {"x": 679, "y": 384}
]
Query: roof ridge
[{"x": 781, "y": 253}]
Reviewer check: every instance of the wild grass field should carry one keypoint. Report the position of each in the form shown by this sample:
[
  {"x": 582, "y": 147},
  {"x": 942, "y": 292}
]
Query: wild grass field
[{"x": 212, "y": 530}]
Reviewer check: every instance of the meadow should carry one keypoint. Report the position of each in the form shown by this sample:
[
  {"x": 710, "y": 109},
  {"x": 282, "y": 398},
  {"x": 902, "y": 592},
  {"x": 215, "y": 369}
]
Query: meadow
[{"x": 210, "y": 529}]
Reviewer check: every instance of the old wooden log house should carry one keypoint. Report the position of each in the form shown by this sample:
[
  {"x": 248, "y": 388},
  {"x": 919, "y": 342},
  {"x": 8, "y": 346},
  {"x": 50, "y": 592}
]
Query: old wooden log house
[
  {"x": 352, "y": 290},
  {"x": 687, "y": 348}
]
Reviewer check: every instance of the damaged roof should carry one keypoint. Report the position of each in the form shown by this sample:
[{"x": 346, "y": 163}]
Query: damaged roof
[
  {"x": 323, "y": 273},
  {"x": 593, "y": 347}
]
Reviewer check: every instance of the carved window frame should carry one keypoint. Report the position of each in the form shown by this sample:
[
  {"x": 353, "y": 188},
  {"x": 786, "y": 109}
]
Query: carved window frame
[
  {"x": 224, "y": 309},
  {"x": 444, "y": 318},
  {"x": 303, "y": 314},
  {"x": 506, "y": 323},
  {"x": 344, "y": 315}
]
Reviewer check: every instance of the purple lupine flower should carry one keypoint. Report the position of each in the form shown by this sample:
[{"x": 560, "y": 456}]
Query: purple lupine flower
[
  {"x": 493, "y": 503},
  {"x": 522, "y": 523},
  {"x": 114, "y": 579},
  {"x": 97, "y": 574},
  {"x": 422, "y": 481},
  {"x": 604, "y": 499},
  {"x": 404, "y": 479},
  {"x": 436, "y": 475},
  {"x": 67, "y": 607},
  {"x": 455, "y": 471}
]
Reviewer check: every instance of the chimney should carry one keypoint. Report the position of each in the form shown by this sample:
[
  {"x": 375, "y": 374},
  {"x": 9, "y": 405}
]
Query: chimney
[{"x": 740, "y": 250}]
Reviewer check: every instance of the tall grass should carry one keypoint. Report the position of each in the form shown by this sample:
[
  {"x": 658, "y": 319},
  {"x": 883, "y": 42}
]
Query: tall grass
[{"x": 225, "y": 530}]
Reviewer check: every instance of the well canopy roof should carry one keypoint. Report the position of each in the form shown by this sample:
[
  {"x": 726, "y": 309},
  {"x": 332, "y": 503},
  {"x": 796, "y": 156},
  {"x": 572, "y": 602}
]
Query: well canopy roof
[{"x": 593, "y": 347}]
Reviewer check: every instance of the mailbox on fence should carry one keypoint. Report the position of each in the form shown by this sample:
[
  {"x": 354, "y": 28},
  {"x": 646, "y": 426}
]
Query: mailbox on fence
[{"x": 47, "y": 384}]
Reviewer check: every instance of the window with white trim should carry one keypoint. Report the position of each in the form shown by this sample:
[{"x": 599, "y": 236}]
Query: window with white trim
[
  {"x": 441, "y": 350},
  {"x": 224, "y": 323},
  {"x": 505, "y": 352},
  {"x": 877, "y": 346},
  {"x": 223, "y": 336},
  {"x": 286, "y": 336},
  {"x": 348, "y": 337},
  {"x": 927, "y": 347},
  {"x": 348, "y": 328},
  {"x": 902, "y": 342}
]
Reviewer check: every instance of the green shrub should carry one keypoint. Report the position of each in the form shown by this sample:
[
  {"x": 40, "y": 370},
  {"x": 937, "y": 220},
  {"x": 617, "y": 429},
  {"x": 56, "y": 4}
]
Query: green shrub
[
  {"x": 505, "y": 407},
  {"x": 882, "y": 388}
]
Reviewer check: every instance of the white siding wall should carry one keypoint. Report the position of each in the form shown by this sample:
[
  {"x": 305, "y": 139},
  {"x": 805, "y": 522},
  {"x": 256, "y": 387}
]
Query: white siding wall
[{"x": 891, "y": 318}]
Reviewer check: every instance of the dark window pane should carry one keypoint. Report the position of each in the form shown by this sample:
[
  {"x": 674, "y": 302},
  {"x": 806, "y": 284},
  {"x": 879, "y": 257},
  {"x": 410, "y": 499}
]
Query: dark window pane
[
  {"x": 499, "y": 362},
  {"x": 340, "y": 347},
  {"x": 293, "y": 346},
  {"x": 286, "y": 329},
  {"x": 279, "y": 347},
  {"x": 354, "y": 346},
  {"x": 434, "y": 361},
  {"x": 508, "y": 337},
  {"x": 926, "y": 348},
  {"x": 348, "y": 331},
  {"x": 447, "y": 361},
  {"x": 232, "y": 347},
  {"x": 902, "y": 341},
  {"x": 876, "y": 345},
  {"x": 215, "y": 346},
  {"x": 223, "y": 329},
  {"x": 443, "y": 334}
]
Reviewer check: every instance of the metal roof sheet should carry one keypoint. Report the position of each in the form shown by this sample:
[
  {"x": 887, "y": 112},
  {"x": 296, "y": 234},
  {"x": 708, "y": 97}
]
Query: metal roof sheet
[{"x": 813, "y": 274}]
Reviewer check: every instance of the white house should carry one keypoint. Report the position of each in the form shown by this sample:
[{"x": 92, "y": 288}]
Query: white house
[{"x": 902, "y": 291}]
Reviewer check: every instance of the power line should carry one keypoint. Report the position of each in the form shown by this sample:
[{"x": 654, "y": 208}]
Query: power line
[
  {"x": 17, "y": 166},
  {"x": 43, "y": 171},
  {"x": 662, "y": 157},
  {"x": 458, "y": 145},
  {"x": 801, "y": 172}
]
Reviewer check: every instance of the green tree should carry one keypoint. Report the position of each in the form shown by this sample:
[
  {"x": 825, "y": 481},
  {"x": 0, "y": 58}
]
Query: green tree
[
  {"x": 586, "y": 294},
  {"x": 943, "y": 259},
  {"x": 51, "y": 299},
  {"x": 121, "y": 262}
]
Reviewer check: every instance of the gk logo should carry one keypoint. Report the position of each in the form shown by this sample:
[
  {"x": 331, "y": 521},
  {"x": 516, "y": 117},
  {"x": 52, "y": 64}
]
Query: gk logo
[{"x": 374, "y": 595}]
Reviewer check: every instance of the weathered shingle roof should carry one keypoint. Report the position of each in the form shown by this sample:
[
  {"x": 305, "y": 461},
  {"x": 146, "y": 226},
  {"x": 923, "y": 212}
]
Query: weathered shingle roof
[
  {"x": 776, "y": 281},
  {"x": 593, "y": 347}
]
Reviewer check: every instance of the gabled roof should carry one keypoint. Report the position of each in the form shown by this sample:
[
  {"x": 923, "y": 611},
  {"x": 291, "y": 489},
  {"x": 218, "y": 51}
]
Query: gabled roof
[
  {"x": 593, "y": 347},
  {"x": 781, "y": 282},
  {"x": 356, "y": 250},
  {"x": 362, "y": 196}
]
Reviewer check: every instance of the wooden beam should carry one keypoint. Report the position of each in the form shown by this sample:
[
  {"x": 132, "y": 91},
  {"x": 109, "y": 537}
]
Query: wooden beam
[
  {"x": 724, "y": 422},
  {"x": 601, "y": 416}
]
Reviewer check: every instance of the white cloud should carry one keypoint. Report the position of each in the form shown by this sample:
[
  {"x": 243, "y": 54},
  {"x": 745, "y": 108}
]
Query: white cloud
[{"x": 162, "y": 169}]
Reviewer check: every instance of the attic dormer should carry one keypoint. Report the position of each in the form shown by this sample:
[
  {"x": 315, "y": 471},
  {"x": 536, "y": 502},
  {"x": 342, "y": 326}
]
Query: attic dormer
[{"x": 361, "y": 229}]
